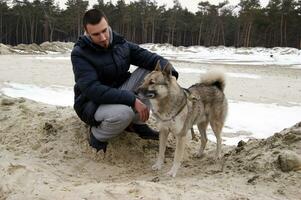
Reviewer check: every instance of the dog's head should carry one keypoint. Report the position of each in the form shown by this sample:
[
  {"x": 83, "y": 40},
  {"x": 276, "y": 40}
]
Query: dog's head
[{"x": 157, "y": 83}]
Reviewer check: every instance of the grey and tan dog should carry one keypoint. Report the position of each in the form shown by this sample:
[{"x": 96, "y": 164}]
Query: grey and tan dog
[{"x": 177, "y": 110}]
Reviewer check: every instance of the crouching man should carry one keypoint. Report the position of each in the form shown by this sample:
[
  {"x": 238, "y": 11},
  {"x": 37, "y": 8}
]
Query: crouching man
[{"x": 104, "y": 87}]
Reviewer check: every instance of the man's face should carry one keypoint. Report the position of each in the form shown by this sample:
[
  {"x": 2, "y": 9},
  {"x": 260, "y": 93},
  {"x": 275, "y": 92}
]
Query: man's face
[{"x": 99, "y": 33}]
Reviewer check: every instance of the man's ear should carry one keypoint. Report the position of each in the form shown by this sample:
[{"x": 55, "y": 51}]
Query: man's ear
[
  {"x": 167, "y": 69},
  {"x": 85, "y": 30},
  {"x": 158, "y": 66}
]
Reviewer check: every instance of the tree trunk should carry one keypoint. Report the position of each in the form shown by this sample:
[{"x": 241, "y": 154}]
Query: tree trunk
[
  {"x": 134, "y": 33},
  {"x": 51, "y": 26},
  {"x": 285, "y": 31},
  {"x": 162, "y": 35},
  {"x": 46, "y": 31},
  {"x": 281, "y": 30},
  {"x": 275, "y": 37},
  {"x": 1, "y": 28},
  {"x": 214, "y": 35},
  {"x": 22, "y": 31},
  {"x": 265, "y": 41},
  {"x": 31, "y": 22},
  {"x": 78, "y": 25},
  {"x": 144, "y": 32},
  {"x": 168, "y": 36},
  {"x": 245, "y": 35},
  {"x": 249, "y": 34},
  {"x": 153, "y": 30},
  {"x": 35, "y": 31},
  {"x": 172, "y": 33},
  {"x": 17, "y": 31},
  {"x": 223, "y": 34},
  {"x": 184, "y": 37},
  {"x": 200, "y": 33},
  {"x": 217, "y": 41},
  {"x": 238, "y": 36}
]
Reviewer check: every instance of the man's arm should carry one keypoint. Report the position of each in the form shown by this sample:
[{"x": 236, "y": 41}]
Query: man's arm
[
  {"x": 90, "y": 86},
  {"x": 146, "y": 59}
]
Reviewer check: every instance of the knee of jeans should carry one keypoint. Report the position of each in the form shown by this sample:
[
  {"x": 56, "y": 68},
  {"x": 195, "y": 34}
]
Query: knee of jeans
[
  {"x": 126, "y": 115},
  {"x": 121, "y": 119}
]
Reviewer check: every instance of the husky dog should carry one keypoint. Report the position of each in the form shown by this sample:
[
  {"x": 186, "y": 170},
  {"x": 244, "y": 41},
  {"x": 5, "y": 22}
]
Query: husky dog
[{"x": 177, "y": 110}]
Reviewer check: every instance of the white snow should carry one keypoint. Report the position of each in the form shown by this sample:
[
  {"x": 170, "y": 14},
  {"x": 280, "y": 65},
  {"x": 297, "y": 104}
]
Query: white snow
[
  {"x": 245, "y": 119},
  {"x": 229, "y": 55}
]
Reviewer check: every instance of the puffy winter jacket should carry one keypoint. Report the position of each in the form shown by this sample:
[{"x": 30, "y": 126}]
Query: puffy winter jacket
[{"x": 99, "y": 72}]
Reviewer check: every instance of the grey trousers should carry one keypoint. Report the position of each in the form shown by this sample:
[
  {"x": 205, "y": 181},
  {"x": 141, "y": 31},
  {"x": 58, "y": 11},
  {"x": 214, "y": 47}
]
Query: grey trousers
[{"x": 115, "y": 118}]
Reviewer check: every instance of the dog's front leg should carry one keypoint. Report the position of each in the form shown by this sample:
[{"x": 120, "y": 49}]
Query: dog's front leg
[
  {"x": 180, "y": 145},
  {"x": 162, "y": 147}
]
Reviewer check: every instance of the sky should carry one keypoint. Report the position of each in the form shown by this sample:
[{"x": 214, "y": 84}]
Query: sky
[{"x": 191, "y": 5}]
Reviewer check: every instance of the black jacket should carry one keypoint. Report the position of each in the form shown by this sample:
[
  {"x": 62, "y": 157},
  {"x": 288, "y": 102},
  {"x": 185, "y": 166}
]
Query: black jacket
[{"x": 99, "y": 72}]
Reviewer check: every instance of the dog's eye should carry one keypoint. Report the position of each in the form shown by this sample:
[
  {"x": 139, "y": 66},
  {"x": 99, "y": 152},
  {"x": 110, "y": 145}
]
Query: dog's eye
[{"x": 151, "y": 82}]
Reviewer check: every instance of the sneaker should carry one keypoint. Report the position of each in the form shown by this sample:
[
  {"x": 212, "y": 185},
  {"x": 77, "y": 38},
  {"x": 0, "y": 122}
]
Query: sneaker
[
  {"x": 144, "y": 131},
  {"x": 98, "y": 145}
]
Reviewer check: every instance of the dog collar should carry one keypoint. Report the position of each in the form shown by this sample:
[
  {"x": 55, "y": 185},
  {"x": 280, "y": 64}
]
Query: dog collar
[{"x": 179, "y": 111}]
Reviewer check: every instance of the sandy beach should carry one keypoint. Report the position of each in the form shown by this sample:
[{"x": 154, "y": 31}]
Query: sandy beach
[{"x": 44, "y": 153}]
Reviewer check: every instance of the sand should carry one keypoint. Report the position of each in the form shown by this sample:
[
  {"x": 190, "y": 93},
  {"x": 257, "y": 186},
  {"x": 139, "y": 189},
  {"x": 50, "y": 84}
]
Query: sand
[{"x": 44, "y": 153}]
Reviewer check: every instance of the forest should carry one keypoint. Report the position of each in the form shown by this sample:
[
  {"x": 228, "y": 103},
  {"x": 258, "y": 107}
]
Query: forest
[{"x": 247, "y": 24}]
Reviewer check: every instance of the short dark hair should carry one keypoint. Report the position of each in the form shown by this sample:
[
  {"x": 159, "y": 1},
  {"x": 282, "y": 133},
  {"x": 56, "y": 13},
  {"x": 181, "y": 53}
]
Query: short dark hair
[{"x": 93, "y": 16}]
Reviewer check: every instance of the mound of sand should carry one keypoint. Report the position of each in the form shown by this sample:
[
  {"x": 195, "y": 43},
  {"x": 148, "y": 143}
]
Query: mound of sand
[
  {"x": 44, "y": 154},
  {"x": 4, "y": 49},
  {"x": 32, "y": 49},
  {"x": 61, "y": 47}
]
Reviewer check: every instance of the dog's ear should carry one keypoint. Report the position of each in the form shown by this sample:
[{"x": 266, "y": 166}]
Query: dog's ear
[
  {"x": 158, "y": 66},
  {"x": 167, "y": 69}
]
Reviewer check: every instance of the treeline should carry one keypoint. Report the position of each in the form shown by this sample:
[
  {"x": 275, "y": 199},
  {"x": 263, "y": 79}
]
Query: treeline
[{"x": 244, "y": 25}]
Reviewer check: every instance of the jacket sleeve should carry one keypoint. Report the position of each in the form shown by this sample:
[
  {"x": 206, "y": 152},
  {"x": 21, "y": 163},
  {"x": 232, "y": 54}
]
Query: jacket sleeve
[
  {"x": 87, "y": 80},
  {"x": 146, "y": 59}
]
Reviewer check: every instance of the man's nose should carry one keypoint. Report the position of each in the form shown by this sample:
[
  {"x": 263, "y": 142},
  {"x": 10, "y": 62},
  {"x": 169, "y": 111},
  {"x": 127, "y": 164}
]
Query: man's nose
[{"x": 102, "y": 37}]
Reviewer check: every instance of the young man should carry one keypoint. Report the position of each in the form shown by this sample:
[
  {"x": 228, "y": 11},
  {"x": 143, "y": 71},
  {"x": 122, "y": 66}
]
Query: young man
[{"x": 104, "y": 87}]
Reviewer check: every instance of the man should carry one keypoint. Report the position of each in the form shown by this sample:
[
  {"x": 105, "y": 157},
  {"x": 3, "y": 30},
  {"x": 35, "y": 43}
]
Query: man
[{"x": 104, "y": 87}]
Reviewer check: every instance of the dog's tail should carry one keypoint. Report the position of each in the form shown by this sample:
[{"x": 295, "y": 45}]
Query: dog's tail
[{"x": 216, "y": 78}]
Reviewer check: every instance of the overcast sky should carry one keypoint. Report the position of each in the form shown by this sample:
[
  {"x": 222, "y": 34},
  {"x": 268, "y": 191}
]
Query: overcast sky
[{"x": 191, "y": 5}]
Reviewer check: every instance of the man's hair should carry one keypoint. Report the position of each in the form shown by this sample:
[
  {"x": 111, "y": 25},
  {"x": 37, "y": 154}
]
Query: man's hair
[{"x": 93, "y": 16}]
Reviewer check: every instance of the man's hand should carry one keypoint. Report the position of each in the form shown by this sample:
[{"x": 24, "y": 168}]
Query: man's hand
[{"x": 142, "y": 109}]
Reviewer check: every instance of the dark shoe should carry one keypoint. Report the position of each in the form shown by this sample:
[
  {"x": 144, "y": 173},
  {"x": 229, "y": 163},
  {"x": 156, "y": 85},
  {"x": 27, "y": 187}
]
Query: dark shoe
[
  {"x": 98, "y": 145},
  {"x": 144, "y": 131}
]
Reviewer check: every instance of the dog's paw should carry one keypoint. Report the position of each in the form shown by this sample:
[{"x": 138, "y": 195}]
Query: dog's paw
[
  {"x": 172, "y": 173},
  {"x": 218, "y": 157},
  {"x": 157, "y": 166},
  {"x": 199, "y": 154}
]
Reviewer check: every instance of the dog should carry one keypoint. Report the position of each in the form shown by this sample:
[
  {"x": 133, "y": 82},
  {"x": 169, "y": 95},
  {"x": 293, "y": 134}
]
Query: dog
[{"x": 177, "y": 109}]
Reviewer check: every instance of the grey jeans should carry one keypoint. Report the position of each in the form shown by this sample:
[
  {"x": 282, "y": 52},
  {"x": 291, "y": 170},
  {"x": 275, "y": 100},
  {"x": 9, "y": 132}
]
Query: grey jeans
[{"x": 115, "y": 118}]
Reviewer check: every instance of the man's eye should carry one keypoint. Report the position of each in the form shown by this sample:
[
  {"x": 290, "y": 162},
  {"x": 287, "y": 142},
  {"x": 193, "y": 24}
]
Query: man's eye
[{"x": 95, "y": 34}]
